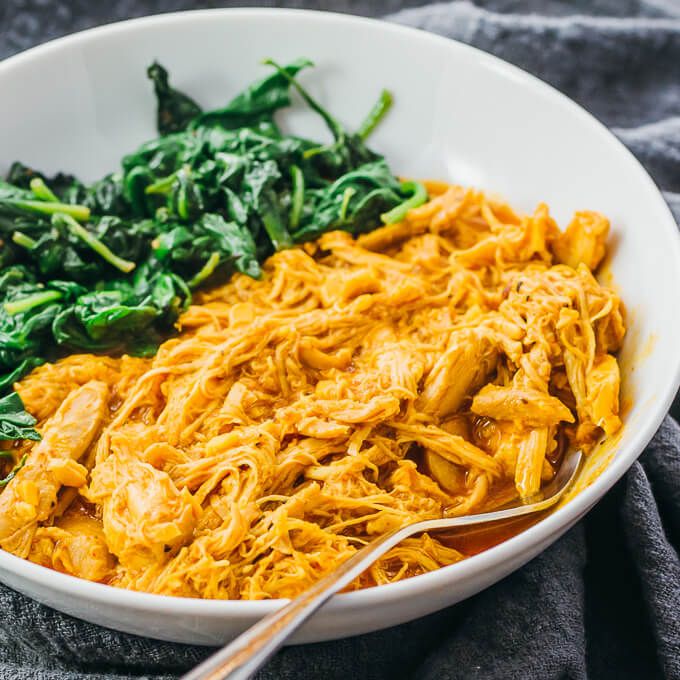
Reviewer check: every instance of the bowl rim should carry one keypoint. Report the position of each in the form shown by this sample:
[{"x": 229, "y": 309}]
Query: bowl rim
[{"x": 555, "y": 523}]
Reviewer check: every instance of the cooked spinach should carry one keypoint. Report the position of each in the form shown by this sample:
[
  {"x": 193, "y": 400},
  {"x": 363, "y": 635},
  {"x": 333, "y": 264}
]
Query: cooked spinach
[
  {"x": 175, "y": 109},
  {"x": 109, "y": 266},
  {"x": 255, "y": 106},
  {"x": 6, "y": 480},
  {"x": 15, "y": 423}
]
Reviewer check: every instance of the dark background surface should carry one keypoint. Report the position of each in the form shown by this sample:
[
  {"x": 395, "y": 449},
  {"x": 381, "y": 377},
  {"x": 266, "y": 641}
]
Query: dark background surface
[{"x": 25, "y": 23}]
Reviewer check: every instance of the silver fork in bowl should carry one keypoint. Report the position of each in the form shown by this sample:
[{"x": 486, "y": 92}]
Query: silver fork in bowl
[{"x": 242, "y": 657}]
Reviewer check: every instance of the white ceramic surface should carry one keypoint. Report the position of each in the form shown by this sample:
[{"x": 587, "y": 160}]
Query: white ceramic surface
[{"x": 77, "y": 104}]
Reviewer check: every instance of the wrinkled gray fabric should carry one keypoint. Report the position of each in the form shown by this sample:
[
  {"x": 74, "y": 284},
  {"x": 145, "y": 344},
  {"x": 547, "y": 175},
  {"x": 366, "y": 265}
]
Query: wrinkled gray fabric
[{"x": 604, "y": 601}]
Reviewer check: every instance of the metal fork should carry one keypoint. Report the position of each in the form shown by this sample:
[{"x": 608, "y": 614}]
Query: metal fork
[{"x": 242, "y": 657}]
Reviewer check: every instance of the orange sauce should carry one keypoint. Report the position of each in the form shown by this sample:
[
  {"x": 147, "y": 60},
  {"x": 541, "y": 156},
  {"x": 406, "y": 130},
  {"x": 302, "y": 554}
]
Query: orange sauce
[{"x": 474, "y": 540}]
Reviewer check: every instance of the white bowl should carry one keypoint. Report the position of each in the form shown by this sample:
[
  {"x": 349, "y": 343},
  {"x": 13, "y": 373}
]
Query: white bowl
[{"x": 77, "y": 104}]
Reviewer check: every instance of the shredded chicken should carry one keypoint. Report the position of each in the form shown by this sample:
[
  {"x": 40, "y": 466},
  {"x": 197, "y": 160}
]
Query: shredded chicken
[
  {"x": 436, "y": 366},
  {"x": 52, "y": 463}
]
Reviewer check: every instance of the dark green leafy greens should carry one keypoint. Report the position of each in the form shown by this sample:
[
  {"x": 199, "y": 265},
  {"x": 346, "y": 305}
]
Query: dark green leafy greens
[
  {"x": 109, "y": 266},
  {"x": 12, "y": 474},
  {"x": 175, "y": 109},
  {"x": 15, "y": 422}
]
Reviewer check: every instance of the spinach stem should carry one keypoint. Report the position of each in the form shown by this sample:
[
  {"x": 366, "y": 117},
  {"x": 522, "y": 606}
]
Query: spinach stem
[
  {"x": 183, "y": 177},
  {"x": 376, "y": 114},
  {"x": 333, "y": 125},
  {"x": 23, "y": 240},
  {"x": 162, "y": 186},
  {"x": 277, "y": 233},
  {"x": 398, "y": 213},
  {"x": 62, "y": 219},
  {"x": 298, "y": 197},
  {"x": 31, "y": 301},
  {"x": 13, "y": 473},
  {"x": 310, "y": 153},
  {"x": 42, "y": 191},
  {"x": 206, "y": 270},
  {"x": 76, "y": 212},
  {"x": 346, "y": 196}
]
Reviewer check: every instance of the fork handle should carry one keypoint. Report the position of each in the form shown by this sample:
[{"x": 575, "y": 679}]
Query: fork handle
[{"x": 242, "y": 657}]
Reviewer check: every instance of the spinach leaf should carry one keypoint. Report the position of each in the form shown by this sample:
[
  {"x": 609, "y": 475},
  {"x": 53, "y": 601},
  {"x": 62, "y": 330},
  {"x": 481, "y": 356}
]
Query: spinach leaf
[
  {"x": 175, "y": 109},
  {"x": 21, "y": 176},
  {"x": 259, "y": 184},
  {"x": 257, "y": 103},
  {"x": 187, "y": 249},
  {"x": 104, "y": 197},
  {"x": 15, "y": 423},
  {"x": 24, "y": 367},
  {"x": 4, "y": 482},
  {"x": 26, "y": 317},
  {"x": 354, "y": 202},
  {"x": 132, "y": 316}
]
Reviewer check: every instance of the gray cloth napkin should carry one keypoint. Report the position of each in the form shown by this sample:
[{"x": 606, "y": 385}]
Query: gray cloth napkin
[{"x": 604, "y": 601}]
